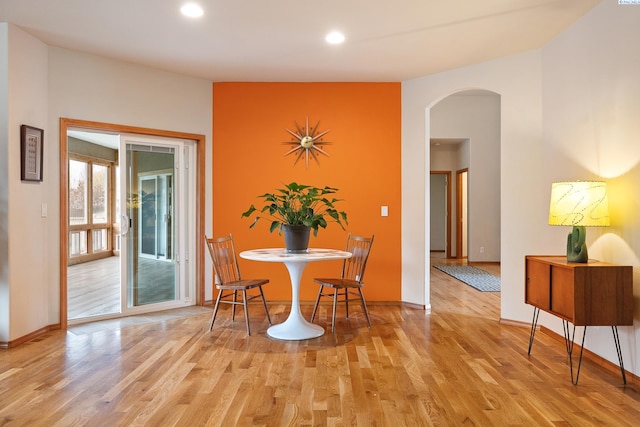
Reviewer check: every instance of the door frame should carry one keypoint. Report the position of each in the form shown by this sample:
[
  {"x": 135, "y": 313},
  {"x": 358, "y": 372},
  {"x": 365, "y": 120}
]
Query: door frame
[
  {"x": 65, "y": 124},
  {"x": 459, "y": 206}
]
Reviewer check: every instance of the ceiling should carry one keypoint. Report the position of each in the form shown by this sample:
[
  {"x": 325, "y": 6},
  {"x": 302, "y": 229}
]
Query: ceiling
[
  {"x": 283, "y": 40},
  {"x": 100, "y": 138}
]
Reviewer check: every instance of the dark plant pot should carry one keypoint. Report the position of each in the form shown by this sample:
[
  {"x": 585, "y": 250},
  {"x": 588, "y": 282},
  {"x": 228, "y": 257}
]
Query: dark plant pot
[{"x": 296, "y": 237}]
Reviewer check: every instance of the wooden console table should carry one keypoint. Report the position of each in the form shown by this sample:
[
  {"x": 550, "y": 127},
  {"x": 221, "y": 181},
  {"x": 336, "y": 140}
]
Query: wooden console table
[{"x": 584, "y": 294}]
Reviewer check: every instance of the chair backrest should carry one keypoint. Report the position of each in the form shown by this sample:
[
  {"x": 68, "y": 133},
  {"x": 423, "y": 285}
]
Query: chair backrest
[
  {"x": 360, "y": 247},
  {"x": 223, "y": 255}
]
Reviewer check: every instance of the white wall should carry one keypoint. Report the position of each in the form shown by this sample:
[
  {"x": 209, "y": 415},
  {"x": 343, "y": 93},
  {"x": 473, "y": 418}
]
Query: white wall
[
  {"x": 4, "y": 181},
  {"x": 517, "y": 80},
  {"x": 586, "y": 126},
  {"x": 591, "y": 105},
  {"x": 25, "y": 293},
  {"x": 47, "y": 83}
]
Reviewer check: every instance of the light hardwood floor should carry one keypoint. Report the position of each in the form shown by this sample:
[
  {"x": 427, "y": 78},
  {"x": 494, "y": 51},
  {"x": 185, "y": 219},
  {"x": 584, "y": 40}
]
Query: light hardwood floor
[
  {"x": 93, "y": 288},
  {"x": 454, "y": 366}
]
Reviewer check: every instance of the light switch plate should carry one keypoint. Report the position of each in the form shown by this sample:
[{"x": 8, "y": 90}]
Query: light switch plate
[{"x": 384, "y": 211}]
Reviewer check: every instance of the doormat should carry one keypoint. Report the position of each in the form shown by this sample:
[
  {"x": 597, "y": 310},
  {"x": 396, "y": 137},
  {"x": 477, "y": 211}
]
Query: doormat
[{"x": 472, "y": 276}]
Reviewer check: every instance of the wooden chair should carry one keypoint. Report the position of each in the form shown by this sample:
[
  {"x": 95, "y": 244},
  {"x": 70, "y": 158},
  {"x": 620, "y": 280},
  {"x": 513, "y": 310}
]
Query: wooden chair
[
  {"x": 350, "y": 281},
  {"x": 230, "y": 282}
]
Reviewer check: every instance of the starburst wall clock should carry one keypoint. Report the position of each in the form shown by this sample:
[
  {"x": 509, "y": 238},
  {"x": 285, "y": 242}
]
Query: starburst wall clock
[{"x": 307, "y": 142}]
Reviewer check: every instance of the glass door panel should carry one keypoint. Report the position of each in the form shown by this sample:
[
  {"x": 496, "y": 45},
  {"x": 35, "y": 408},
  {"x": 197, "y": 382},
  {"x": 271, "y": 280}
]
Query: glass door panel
[{"x": 152, "y": 272}]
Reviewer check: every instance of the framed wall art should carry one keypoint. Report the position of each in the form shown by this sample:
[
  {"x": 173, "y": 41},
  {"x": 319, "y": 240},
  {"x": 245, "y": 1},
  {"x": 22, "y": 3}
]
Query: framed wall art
[{"x": 31, "y": 148}]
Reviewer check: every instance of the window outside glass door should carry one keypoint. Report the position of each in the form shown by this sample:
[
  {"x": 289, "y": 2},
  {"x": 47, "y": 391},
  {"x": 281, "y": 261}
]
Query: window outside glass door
[{"x": 90, "y": 229}]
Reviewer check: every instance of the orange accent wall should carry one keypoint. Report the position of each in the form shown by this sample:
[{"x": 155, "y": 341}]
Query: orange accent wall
[{"x": 364, "y": 123}]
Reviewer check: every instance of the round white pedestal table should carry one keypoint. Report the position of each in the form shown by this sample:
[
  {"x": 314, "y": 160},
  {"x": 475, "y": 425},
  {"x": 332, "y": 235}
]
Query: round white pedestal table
[{"x": 295, "y": 327}]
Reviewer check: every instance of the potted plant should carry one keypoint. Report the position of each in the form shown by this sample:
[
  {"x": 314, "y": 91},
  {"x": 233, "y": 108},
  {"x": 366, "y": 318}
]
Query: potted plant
[{"x": 296, "y": 209}]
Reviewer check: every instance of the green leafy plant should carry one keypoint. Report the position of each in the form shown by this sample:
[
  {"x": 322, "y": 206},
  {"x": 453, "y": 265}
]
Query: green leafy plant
[{"x": 297, "y": 204}]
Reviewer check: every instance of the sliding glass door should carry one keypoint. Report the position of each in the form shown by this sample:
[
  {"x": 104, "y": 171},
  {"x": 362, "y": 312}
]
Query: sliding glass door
[{"x": 131, "y": 224}]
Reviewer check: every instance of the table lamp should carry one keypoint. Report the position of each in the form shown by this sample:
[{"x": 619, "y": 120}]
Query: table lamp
[{"x": 579, "y": 204}]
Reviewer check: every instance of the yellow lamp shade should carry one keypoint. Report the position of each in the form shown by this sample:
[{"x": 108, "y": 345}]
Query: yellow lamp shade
[{"x": 579, "y": 203}]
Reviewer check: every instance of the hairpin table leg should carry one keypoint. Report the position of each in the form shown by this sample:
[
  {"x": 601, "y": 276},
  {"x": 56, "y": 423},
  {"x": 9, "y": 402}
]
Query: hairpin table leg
[
  {"x": 569, "y": 341},
  {"x": 534, "y": 325},
  {"x": 616, "y": 340}
]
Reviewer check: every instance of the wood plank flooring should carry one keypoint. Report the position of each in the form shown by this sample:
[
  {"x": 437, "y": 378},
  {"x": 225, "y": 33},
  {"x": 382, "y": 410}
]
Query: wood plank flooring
[
  {"x": 93, "y": 288},
  {"x": 454, "y": 366}
]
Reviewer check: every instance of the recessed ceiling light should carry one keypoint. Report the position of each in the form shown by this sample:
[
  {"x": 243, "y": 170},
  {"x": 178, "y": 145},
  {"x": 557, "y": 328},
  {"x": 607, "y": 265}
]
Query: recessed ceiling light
[
  {"x": 192, "y": 10},
  {"x": 334, "y": 37}
]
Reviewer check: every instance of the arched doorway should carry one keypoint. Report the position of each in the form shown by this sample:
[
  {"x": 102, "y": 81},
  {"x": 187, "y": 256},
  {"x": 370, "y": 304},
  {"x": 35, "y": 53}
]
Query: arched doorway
[{"x": 468, "y": 122}]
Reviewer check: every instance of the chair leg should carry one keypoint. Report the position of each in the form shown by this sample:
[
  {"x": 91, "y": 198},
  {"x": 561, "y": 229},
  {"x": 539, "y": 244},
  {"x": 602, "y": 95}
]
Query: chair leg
[
  {"x": 246, "y": 311},
  {"x": 215, "y": 309},
  {"x": 346, "y": 301},
  {"x": 315, "y": 307},
  {"x": 264, "y": 301},
  {"x": 364, "y": 306},
  {"x": 335, "y": 305},
  {"x": 233, "y": 306}
]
